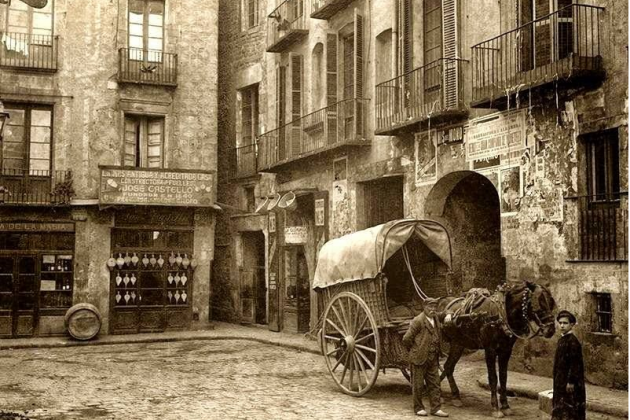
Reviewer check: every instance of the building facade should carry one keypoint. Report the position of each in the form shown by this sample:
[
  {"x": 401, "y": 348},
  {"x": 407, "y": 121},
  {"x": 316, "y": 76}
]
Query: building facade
[
  {"x": 109, "y": 158},
  {"x": 505, "y": 121}
]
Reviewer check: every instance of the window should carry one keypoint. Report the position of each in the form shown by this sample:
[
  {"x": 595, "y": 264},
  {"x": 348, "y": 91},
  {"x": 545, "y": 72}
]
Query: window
[
  {"x": 249, "y": 14},
  {"x": 146, "y": 30},
  {"x": 250, "y": 199},
  {"x": 35, "y": 24},
  {"x": 26, "y": 146},
  {"x": 249, "y": 115},
  {"x": 144, "y": 140},
  {"x": 602, "y": 165},
  {"x": 318, "y": 78},
  {"x": 603, "y": 312}
]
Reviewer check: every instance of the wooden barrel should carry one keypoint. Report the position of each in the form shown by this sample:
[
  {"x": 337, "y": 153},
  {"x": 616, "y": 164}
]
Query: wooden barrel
[{"x": 83, "y": 321}]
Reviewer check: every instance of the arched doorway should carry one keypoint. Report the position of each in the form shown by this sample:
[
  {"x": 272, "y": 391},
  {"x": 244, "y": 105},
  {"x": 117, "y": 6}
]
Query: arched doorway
[{"x": 467, "y": 204}]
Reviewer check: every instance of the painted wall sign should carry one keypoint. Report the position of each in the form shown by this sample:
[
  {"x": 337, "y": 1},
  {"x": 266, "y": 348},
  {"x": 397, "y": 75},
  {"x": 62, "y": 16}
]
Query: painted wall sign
[
  {"x": 495, "y": 134},
  {"x": 340, "y": 208},
  {"x": 319, "y": 212},
  {"x": 426, "y": 158},
  {"x": 36, "y": 227},
  {"x": 295, "y": 234},
  {"x": 161, "y": 187}
]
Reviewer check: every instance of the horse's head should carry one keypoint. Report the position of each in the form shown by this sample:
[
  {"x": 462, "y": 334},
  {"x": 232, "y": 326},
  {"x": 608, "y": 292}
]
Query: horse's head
[{"x": 541, "y": 309}]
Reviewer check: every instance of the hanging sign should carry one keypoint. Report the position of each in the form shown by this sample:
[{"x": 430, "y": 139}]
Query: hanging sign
[
  {"x": 295, "y": 234},
  {"x": 319, "y": 212},
  {"x": 496, "y": 134},
  {"x": 157, "y": 187}
]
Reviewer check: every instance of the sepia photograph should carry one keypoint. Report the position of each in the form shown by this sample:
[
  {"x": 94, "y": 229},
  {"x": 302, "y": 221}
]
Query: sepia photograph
[{"x": 314, "y": 209}]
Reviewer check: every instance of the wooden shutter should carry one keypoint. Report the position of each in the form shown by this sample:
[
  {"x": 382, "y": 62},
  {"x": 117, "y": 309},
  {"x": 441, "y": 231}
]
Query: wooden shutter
[
  {"x": 450, "y": 54},
  {"x": 407, "y": 36},
  {"x": 296, "y": 70},
  {"x": 526, "y": 35},
  {"x": 331, "y": 87},
  {"x": 130, "y": 148},
  {"x": 281, "y": 76},
  {"x": 542, "y": 34},
  {"x": 358, "y": 74},
  {"x": 155, "y": 132}
]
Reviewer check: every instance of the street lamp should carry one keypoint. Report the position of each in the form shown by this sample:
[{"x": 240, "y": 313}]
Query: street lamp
[{"x": 4, "y": 116}]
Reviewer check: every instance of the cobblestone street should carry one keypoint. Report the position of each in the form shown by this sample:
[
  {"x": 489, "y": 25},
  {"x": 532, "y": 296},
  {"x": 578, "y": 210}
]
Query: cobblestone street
[{"x": 231, "y": 379}]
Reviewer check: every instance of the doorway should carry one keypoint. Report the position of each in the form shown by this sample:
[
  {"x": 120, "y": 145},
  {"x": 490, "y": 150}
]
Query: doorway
[
  {"x": 297, "y": 298},
  {"x": 252, "y": 275},
  {"x": 382, "y": 201}
]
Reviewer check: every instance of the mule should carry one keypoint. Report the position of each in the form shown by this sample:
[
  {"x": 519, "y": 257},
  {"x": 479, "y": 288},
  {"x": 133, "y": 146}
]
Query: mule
[{"x": 494, "y": 323}]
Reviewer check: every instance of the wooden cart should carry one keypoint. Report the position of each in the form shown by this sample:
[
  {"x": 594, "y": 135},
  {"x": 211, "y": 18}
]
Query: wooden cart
[{"x": 356, "y": 276}]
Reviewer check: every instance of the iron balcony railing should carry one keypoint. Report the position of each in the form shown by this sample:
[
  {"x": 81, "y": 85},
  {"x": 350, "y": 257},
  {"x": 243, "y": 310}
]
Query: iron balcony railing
[
  {"x": 147, "y": 67},
  {"x": 558, "y": 46},
  {"x": 35, "y": 187},
  {"x": 29, "y": 51},
  {"x": 431, "y": 91},
  {"x": 603, "y": 227},
  {"x": 340, "y": 124},
  {"x": 286, "y": 25},
  {"x": 325, "y": 9},
  {"x": 244, "y": 161}
]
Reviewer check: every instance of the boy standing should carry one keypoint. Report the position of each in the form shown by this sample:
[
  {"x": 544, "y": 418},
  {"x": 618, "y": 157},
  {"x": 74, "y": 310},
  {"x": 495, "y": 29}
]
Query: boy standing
[
  {"x": 569, "y": 392},
  {"x": 423, "y": 340}
]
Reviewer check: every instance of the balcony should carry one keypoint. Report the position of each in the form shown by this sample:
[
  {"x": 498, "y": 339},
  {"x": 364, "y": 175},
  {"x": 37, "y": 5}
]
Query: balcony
[
  {"x": 286, "y": 25},
  {"x": 603, "y": 227},
  {"x": 338, "y": 125},
  {"x": 560, "y": 49},
  {"x": 24, "y": 187},
  {"x": 431, "y": 92},
  {"x": 147, "y": 67},
  {"x": 244, "y": 162},
  {"x": 325, "y": 9},
  {"x": 29, "y": 51}
]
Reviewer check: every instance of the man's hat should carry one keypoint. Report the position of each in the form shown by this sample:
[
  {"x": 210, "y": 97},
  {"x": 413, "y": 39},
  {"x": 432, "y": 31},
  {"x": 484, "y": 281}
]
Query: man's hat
[
  {"x": 566, "y": 314},
  {"x": 430, "y": 301}
]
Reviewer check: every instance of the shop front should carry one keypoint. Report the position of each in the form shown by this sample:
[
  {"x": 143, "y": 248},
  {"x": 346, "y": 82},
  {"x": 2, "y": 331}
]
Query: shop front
[{"x": 36, "y": 277}]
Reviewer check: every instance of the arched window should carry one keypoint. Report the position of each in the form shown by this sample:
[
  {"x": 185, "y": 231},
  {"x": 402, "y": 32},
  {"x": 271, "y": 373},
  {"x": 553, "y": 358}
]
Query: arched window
[{"x": 318, "y": 73}]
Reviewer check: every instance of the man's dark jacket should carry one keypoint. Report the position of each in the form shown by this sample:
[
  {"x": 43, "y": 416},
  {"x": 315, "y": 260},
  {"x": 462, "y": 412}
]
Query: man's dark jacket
[
  {"x": 422, "y": 339},
  {"x": 568, "y": 368}
]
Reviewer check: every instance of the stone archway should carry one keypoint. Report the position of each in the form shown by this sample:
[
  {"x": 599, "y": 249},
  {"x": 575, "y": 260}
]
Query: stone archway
[{"x": 467, "y": 203}]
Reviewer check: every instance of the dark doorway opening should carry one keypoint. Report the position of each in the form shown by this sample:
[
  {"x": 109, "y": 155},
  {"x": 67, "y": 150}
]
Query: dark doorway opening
[
  {"x": 252, "y": 275},
  {"x": 382, "y": 201}
]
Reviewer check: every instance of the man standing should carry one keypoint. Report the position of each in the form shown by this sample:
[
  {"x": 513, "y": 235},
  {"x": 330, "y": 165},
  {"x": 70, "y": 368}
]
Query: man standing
[
  {"x": 423, "y": 341},
  {"x": 569, "y": 392}
]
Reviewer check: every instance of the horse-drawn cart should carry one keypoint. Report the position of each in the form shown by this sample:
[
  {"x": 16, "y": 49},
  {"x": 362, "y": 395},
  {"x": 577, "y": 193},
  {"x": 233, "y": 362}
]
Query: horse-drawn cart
[{"x": 372, "y": 283}]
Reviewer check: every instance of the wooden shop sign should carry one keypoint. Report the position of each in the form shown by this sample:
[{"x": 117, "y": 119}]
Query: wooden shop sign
[
  {"x": 36, "y": 227},
  {"x": 156, "y": 187}
]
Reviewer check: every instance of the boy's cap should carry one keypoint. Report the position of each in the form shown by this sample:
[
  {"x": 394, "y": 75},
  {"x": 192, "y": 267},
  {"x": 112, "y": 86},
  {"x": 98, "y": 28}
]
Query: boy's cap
[
  {"x": 566, "y": 314},
  {"x": 430, "y": 301}
]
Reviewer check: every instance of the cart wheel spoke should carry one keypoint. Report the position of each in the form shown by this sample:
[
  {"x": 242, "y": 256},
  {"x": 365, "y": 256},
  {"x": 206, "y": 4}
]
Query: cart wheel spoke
[{"x": 351, "y": 343}]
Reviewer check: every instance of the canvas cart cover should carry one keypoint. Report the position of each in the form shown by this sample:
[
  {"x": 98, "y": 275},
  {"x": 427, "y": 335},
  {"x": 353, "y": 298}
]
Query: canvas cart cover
[{"x": 363, "y": 254}]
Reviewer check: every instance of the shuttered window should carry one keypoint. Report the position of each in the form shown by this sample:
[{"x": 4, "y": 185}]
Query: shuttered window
[
  {"x": 296, "y": 70},
  {"x": 143, "y": 143},
  {"x": 331, "y": 69},
  {"x": 281, "y": 103},
  {"x": 249, "y": 115},
  {"x": 450, "y": 68},
  {"x": 405, "y": 36},
  {"x": 602, "y": 156},
  {"x": 36, "y": 23},
  {"x": 249, "y": 14},
  {"x": 550, "y": 39}
]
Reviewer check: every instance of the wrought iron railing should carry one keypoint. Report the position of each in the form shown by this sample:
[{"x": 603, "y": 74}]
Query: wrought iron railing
[
  {"x": 603, "y": 227},
  {"x": 423, "y": 93},
  {"x": 325, "y": 9},
  {"x": 244, "y": 161},
  {"x": 147, "y": 67},
  {"x": 285, "y": 24},
  {"x": 556, "y": 46},
  {"x": 340, "y": 123},
  {"x": 18, "y": 186},
  {"x": 29, "y": 51}
]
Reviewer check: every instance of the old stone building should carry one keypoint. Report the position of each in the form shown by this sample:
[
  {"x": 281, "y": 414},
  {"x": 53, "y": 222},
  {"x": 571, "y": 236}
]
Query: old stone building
[
  {"x": 505, "y": 121},
  {"x": 108, "y": 169}
]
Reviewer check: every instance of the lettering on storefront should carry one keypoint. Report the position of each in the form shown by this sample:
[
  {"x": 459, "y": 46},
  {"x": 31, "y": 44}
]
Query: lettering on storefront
[
  {"x": 36, "y": 227},
  {"x": 320, "y": 212},
  {"x": 295, "y": 234},
  {"x": 156, "y": 187}
]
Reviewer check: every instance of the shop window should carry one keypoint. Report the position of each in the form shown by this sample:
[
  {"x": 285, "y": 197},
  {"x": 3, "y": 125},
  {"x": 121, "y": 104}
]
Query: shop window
[
  {"x": 146, "y": 30},
  {"x": 26, "y": 145},
  {"x": 250, "y": 199},
  {"x": 603, "y": 312},
  {"x": 602, "y": 165},
  {"x": 144, "y": 141},
  {"x": 249, "y": 14}
]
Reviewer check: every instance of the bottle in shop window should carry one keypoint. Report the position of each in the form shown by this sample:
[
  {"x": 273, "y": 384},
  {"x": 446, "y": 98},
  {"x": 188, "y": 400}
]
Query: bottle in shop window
[
  {"x": 111, "y": 262},
  {"x": 170, "y": 278},
  {"x": 171, "y": 258},
  {"x": 185, "y": 261},
  {"x": 152, "y": 260},
  {"x": 118, "y": 296},
  {"x": 126, "y": 279},
  {"x": 118, "y": 279},
  {"x": 177, "y": 279},
  {"x": 183, "y": 279},
  {"x": 160, "y": 261},
  {"x": 184, "y": 296},
  {"x": 178, "y": 259},
  {"x": 145, "y": 260},
  {"x": 169, "y": 295},
  {"x": 133, "y": 279},
  {"x": 120, "y": 261},
  {"x": 127, "y": 259},
  {"x": 135, "y": 259}
]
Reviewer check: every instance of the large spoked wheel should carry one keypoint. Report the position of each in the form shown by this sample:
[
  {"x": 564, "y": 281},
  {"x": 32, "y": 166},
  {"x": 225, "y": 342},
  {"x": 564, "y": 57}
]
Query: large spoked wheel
[{"x": 350, "y": 344}]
